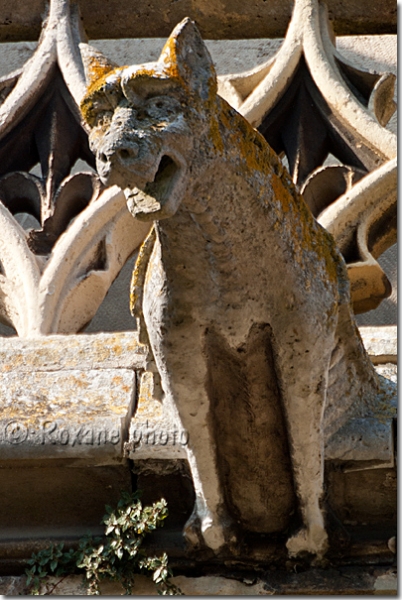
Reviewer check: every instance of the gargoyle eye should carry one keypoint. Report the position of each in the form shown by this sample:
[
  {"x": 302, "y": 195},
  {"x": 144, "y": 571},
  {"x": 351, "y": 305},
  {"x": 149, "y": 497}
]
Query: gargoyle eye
[
  {"x": 102, "y": 104},
  {"x": 108, "y": 97},
  {"x": 162, "y": 106},
  {"x": 103, "y": 118}
]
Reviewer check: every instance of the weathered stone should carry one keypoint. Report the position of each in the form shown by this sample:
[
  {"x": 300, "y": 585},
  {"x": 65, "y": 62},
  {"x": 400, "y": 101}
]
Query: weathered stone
[
  {"x": 386, "y": 584},
  {"x": 12, "y": 586},
  {"x": 344, "y": 581},
  {"x": 219, "y": 586},
  {"x": 226, "y": 20},
  {"x": 366, "y": 439},
  {"x": 369, "y": 437},
  {"x": 205, "y": 289},
  {"x": 46, "y": 501},
  {"x": 155, "y": 432},
  {"x": 387, "y": 313},
  {"x": 388, "y": 370},
  {"x": 381, "y": 343},
  {"x": 331, "y": 582},
  {"x": 66, "y": 414},
  {"x": 363, "y": 497},
  {"x": 83, "y": 352},
  {"x": 68, "y": 397}
]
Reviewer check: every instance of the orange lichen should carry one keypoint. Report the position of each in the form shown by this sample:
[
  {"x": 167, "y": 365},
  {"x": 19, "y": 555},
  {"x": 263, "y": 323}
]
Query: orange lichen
[
  {"x": 98, "y": 67},
  {"x": 169, "y": 57},
  {"x": 281, "y": 192},
  {"x": 259, "y": 157},
  {"x": 117, "y": 349},
  {"x": 140, "y": 267},
  {"x": 215, "y": 135},
  {"x": 95, "y": 88}
]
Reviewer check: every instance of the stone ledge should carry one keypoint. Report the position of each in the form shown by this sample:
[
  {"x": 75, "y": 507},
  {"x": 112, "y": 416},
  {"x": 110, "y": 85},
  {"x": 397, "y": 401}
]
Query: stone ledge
[
  {"x": 344, "y": 581},
  {"x": 67, "y": 414},
  {"x": 21, "y": 20},
  {"x": 381, "y": 343},
  {"x": 68, "y": 397},
  {"x": 120, "y": 350},
  {"x": 54, "y": 390}
]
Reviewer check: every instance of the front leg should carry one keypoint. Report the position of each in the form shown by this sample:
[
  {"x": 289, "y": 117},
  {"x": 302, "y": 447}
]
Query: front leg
[
  {"x": 209, "y": 523},
  {"x": 182, "y": 365},
  {"x": 306, "y": 443},
  {"x": 183, "y": 371},
  {"x": 304, "y": 403}
]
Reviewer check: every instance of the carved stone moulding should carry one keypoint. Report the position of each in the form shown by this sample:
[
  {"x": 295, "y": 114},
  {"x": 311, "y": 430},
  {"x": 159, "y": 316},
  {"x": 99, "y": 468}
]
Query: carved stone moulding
[
  {"x": 68, "y": 397},
  {"x": 228, "y": 20},
  {"x": 308, "y": 101},
  {"x": 54, "y": 277}
]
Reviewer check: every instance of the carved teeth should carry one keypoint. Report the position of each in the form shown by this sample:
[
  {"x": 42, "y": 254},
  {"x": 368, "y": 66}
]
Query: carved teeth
[{"x": 141, "y": 202}]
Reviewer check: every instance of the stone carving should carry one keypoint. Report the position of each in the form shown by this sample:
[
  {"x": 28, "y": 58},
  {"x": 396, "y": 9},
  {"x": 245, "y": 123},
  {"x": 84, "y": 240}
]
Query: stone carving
[
  {"x": 309, "y": 101},
  {"x": 44, "y": 290},
  {"x": 54, "y": 277},
  {"x": 242, "y": 296},
  {"x": 363, "y": 222}
]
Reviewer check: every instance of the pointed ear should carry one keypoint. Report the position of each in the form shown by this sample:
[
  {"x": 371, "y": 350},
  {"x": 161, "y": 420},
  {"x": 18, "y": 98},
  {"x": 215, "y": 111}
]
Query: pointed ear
[
  {"x": 95, "y": 63},
  {"x": 185, "y": 55}
]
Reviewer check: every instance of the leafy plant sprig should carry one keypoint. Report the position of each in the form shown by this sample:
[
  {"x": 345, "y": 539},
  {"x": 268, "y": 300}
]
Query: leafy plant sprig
[{"x": 117, "y": 557}]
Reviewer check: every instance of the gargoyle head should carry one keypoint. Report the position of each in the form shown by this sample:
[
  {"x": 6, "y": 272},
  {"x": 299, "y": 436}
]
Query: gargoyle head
[{"x": 144, "y": 120}]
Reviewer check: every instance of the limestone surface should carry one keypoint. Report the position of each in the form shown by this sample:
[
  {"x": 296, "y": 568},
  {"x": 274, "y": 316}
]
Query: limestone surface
[
  {"x": 242, "y": 296},
  {"x": 68, "y": 396}
]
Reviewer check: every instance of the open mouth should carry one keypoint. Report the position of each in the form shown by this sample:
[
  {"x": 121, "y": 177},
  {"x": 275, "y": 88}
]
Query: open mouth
[
  {"x": 156, "y": 193},
  {"x": 160, "y": 186}
]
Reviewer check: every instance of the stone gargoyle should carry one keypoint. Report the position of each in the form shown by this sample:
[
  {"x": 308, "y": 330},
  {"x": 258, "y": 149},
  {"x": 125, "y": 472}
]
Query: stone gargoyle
[{"x": 245, "y": 298}]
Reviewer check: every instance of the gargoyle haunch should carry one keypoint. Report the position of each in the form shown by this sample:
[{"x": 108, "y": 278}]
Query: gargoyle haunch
[{"x": 245, "y": 300}]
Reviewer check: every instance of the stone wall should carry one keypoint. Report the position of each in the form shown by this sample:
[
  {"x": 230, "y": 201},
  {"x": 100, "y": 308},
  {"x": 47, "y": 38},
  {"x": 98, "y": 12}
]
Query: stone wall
[
  {"x": 222, "y": 20},
  {"x": 376, "y": 53},
  {"x": 80, "y": 411}
]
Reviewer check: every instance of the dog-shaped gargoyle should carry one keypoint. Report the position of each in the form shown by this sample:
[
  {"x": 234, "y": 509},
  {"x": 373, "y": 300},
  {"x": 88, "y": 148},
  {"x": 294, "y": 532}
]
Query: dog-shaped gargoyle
[{"x": 245, "y": 298}]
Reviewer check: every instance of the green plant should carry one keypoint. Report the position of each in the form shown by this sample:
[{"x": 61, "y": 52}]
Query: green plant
[{"x": 118, "y": 556}]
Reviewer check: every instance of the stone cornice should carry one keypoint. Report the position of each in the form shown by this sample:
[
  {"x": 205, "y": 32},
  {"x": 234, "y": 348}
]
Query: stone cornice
[{"x": 22, "y": 20}]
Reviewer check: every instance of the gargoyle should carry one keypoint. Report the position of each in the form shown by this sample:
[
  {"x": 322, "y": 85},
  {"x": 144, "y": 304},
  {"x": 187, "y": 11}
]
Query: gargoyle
[{"x": 245, "y": 298}]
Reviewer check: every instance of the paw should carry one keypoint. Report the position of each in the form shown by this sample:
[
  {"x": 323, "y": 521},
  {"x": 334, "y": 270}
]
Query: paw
[
  {"x": 313, "y": 540},
  {"x": 213, "y": 533},
  {"x": 192, "y": 533},
  {"x": 216, "y": 534}
]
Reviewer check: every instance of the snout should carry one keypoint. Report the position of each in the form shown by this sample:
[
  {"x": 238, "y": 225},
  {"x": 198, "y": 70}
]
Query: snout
[
  {"x": 116, "y": 160},
  {"x": 123, "y": 155}
]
